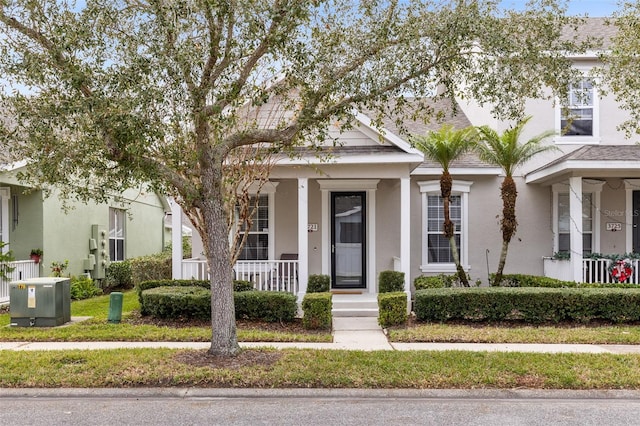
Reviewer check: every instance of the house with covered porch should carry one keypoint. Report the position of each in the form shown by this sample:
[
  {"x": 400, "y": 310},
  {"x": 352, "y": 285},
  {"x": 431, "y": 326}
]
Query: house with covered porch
[{"x": 374, "y": 204}]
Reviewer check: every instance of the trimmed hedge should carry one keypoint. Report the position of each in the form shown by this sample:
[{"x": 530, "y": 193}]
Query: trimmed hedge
[
  {"x": 523, "y": 280},
  {"x": 175, "y": 302},
  {"x": 188, "y": 298},
  {"x": 390, "y": 281},
  {"x": 242, "y": 285},
  {"x": 532, "y": 305},
  {"x": 318, "y": 283},
  {"x": 392, "y": 308},
  {"x": 238, "y": 286},
  {"x": 146, "y": 285},
  {"x": 270, "y": 306},
  {"x": 437, "y": 281},
  {"x": 317, "y": 311}
]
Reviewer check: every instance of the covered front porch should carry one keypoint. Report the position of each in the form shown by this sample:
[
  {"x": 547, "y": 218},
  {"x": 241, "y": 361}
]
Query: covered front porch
[
  {"x": 349, "y": 229},
  {"x": 595, "y": 214}
]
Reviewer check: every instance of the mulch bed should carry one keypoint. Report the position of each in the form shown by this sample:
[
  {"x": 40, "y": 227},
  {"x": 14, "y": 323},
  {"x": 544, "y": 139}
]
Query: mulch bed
[
  {"x": 294, "y": 326},
  {"x": 246, "y": 358}
]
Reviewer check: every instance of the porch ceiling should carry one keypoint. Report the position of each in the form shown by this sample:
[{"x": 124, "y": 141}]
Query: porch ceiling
[{"x": 598, "y": 161}]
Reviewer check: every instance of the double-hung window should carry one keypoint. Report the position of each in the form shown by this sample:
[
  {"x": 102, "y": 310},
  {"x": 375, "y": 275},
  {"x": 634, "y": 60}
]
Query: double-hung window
[
  {"x": 260, "y": 242},
  {"x": 116, "y": 234},
  {"x": 437, "y": 255},
  {"x": 563, "y": 222},
  {"x": 578, "y": 121},
  {"x": 256, "y": 246}
]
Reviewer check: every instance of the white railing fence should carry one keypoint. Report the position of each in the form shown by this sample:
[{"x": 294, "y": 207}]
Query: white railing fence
[
  {"x": 597, "y": 271},
  {"x": 23, "y": 269},
  {"x": 268, "y": 275}
]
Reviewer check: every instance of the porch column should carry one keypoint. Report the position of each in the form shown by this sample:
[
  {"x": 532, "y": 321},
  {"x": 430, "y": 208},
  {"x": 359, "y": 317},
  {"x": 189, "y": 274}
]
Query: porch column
[
  {"x": 303, "y": 236},
  {"x": 405, "y": 232},
  {"x": 575, "y": 226},
  {"x": 176, "y": 240}
]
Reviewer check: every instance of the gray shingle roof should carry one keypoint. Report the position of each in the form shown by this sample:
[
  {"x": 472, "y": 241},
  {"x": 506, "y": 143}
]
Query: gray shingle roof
[
  {"x": 599, "y": 30},
  {"x": 438, "y": 112},
  {"x": 597, "y": 153}
]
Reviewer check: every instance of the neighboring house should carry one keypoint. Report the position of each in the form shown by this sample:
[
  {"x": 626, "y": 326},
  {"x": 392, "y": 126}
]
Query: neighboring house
[
  {"x": 132, "y": 224},
  {"x": 376, "y": 205}
]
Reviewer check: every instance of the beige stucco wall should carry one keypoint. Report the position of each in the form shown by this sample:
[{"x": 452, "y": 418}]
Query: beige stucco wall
[{"x": 532, "y": 241}]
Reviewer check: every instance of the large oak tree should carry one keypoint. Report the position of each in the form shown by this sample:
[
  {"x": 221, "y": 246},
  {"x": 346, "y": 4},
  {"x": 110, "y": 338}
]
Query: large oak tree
[{"x": 115, "y": 92}]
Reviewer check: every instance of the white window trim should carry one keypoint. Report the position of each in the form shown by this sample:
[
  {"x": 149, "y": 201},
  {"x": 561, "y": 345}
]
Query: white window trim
[
  {"x": 5, "y": 193},
  {"x": 124, "y": 233},
  {"x": 268, "y": 189},
  {"x": 589, "y": 186},
  {"x": 459, "y": 187},
  {"x": 581, "y": 140}
]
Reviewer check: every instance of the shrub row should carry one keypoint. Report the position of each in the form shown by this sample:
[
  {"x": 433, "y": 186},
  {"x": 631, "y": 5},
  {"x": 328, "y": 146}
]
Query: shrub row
[
  {"x": 317, "y": 311},
  {"x": 523, "y": 280},
  {"x": 392, "y": 308},
  {"x": 437, "y": 281},
  {"x": 238, "y": 286},
  {"x": 194, "y": 301},
  {"x": 534, "y": 305}
]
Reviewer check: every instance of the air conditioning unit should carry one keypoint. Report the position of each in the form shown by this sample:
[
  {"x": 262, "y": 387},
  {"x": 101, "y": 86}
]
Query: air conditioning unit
[{"x": 40, "y": 302}]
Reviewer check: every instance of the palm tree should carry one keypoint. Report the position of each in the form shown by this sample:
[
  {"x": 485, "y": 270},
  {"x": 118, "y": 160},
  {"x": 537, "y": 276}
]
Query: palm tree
[
  {"x": 505, "y": 152},
  {"x": 443, "y": 147}
]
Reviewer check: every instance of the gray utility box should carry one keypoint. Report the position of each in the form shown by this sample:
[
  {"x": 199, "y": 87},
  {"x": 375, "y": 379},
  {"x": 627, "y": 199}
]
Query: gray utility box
[{"x": 40, "y": 302}]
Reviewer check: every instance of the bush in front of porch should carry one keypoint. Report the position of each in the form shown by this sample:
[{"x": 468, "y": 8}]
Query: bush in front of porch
[
  {"x": 392, "y": 308},
  {"x": 523, "y": 280},
  {"x": 192, "y": 299},
  {"x": 317, "y": 311},
  {"x": 528, "y": 304}
]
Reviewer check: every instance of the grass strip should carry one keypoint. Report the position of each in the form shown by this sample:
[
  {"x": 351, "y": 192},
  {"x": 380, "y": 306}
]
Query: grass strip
[
  {"x": 321, "y": 369},
  {"x": 453, "y": 333}
]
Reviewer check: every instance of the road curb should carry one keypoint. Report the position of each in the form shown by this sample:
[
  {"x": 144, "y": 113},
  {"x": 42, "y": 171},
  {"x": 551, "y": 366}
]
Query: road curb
[{"x": 220, "y": 393}]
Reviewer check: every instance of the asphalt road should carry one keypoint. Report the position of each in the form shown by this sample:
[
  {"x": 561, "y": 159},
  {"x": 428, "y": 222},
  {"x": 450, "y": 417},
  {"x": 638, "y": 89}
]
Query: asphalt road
[{"x": 316, "y": 407}]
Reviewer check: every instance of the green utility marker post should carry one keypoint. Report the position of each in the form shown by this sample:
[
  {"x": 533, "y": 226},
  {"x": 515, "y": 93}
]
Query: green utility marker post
[{"x": 115, "y": 307}]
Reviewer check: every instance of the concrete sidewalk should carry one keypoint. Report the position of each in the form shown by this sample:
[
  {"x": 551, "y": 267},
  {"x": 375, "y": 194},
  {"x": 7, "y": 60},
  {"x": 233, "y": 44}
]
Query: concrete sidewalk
[{"x": 349, "y": 333}]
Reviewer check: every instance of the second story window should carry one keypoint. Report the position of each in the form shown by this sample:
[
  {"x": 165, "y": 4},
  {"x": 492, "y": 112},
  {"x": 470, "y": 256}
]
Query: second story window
[{"x": 579, "y": 119}]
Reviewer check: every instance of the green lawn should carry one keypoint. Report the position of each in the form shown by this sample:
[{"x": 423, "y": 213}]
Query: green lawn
[
  {"x": 320, "y": 368},
  {"x": 98, "y": 329},
  {"x": 489, "y": 333}
]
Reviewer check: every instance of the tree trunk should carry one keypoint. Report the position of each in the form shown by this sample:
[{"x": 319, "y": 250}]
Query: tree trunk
[
  {"x": 224, "y": 340},
  {"x": 446, "y": 182},
  {"x": 509, "y": 224}
]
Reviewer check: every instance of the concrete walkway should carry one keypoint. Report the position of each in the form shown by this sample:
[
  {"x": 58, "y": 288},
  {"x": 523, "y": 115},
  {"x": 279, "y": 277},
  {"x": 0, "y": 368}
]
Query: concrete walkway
[{"x": 350, "y": 333}]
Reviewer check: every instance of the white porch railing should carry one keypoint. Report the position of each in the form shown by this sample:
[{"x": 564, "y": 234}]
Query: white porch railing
[
  {"x": 24, "y": 269},
  {"x": 597, "y": 271},
  {"x": 267, "y": 275}
]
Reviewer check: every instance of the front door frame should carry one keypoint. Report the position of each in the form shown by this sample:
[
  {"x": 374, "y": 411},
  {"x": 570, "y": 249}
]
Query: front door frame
[
  {"x": 350, "y": 185},
  {"x": 363, "y": 240}
]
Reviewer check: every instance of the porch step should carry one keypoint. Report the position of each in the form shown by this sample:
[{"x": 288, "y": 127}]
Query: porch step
[{"x": 352, "y": 305}]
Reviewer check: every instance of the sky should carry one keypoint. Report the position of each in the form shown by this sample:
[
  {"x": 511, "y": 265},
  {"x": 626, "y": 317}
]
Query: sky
[{"x": 594, "y": 8}]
